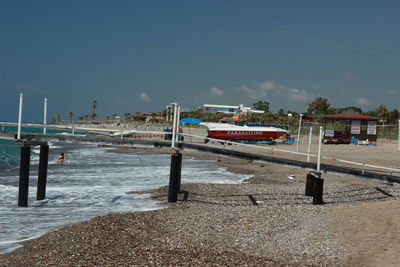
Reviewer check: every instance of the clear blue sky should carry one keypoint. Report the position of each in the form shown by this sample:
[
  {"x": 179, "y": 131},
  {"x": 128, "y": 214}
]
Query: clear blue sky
[{"x": 141, "y": 55}]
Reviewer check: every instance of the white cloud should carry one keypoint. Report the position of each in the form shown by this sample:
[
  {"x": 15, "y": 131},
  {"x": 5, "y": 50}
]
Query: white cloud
[
  {"x": 272, "y": 89},
  {"x": 363, "y": 101},
  {"x": 214, "y": 91},
  {"x": 392, "y": 91},
  {"x": 144, "y": 97}
]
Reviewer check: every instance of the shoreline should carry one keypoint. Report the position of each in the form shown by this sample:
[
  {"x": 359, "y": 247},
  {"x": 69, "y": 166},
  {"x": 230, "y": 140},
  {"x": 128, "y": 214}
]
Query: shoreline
[{"x": 218, "y": 224}]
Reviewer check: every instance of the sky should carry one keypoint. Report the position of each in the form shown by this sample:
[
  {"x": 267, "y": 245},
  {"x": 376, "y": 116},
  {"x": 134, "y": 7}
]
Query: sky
[{"x": 141, "y": 55}]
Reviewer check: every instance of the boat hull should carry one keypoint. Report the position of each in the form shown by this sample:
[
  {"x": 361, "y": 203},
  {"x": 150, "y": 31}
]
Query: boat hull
[{"x": 240, "y": 135}]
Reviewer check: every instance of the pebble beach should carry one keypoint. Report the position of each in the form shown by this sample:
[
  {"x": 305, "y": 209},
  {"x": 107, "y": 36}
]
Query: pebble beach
[{"x": 220, "y": 225}]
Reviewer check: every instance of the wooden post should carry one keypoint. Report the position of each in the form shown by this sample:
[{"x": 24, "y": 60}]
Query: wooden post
[
  {"x": 318, "y": 191},
  {"x": 175, "y": 176},
  {"x": 42, "y": 175},
  {"x": 310, "y": 185},
  {"x": 24, "y": 176}
]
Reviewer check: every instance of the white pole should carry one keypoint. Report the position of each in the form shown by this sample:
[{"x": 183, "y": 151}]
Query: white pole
[
  {"x": 174, "y": 125},
  {"x": 298, "y": 133},
  {"x": 73, "y": 130},
  {"x": 178, "y": 117},
  {"x": 21, "y": 99},
  {"x": 45, "y": 116},
  {"x": 319, "y": 148},
  {"x": 398, "y": 139},
  {"x": 309, "y": 145}
]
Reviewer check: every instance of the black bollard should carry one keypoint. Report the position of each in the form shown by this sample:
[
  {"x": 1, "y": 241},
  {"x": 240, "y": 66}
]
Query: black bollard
[
  {"x": 174, "y": 177},
  {"x": 318, "y": 191},
  {"x": 24, "y": 176},
  {"x": 179, "y": 172},
  {"x": 42, "y": 175},
  {"x": 310, "y": 184}
]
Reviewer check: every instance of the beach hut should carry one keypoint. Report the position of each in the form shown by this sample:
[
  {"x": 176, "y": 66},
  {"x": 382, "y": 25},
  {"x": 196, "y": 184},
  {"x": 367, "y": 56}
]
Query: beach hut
[{"x": 350, "y": 128}]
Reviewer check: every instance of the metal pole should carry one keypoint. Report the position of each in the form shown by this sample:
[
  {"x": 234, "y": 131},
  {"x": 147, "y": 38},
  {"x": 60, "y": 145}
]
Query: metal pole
[
  {"x": 178, "y": 117},
  {"x": 309, "y": 145},
  {"x": 298, "y": 133},
  {"x": 21, "y": 99},
  {"x": 42, "y": 175},
  {"x": 45, "y": 116},
  {"x": 174, "y": 125},
  {"x": 24, "y": 176},
  {"x": 398, "y": 139},
  {"x": 319, "y": 148}
]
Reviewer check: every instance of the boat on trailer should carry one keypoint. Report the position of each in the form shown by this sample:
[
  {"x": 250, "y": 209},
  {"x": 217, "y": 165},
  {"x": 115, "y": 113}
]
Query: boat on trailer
[{"x": 244, "y": 133}]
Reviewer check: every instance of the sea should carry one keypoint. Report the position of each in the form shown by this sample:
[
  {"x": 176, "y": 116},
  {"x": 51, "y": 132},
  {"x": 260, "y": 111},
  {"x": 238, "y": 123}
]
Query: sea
[{"x": 93, "y": 181}]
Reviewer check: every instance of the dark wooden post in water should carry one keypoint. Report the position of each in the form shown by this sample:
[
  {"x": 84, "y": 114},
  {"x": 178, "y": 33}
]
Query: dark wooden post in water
[
  {"x": 24, "y": 176},
  {"x": 175, "y": 176},
  {"x": 42, "y": 174}
]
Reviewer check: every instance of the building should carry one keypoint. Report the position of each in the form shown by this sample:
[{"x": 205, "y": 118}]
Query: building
[
  {"x": 342, "y": 128},
  {"x": 230, "y": 109}
]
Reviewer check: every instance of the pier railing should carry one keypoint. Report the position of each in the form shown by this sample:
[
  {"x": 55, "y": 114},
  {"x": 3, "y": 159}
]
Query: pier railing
[{"x": 200, "y": 139}]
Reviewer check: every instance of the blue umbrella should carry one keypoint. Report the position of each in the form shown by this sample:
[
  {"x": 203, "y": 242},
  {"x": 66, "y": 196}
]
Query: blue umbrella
[{"x": 190, "y": 120}]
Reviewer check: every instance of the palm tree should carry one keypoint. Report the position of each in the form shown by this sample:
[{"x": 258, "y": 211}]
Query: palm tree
[
  {"x": 94, "y": 105},
  {"x": 70, "y": 114},
  {"x": 114, "y": 115},
  {"x": 58, "y": 118},
  {"x": 127, "y": 116},
  {"x": 86, "y": 117},
  {"x": 94, "y": 115}
]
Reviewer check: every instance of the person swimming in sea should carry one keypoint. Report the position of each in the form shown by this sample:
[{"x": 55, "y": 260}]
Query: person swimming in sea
[{"x": 61, "y": 158}]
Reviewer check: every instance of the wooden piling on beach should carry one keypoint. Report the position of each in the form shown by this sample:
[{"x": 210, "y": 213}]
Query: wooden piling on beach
[
  {"x": 318, "y": 191},
  {"x": 42, "y": 174},
  {"x": 24, "y": 176},
  {"x": 309, "y": 185},
  {"x": 175, "y": 176}
]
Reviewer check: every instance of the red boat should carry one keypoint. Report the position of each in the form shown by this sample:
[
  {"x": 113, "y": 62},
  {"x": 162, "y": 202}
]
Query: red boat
[{"x": 232, "y": 132}]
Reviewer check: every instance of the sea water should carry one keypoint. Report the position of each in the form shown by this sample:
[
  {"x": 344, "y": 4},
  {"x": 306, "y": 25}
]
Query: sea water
[{"x": 93, "y": 181}]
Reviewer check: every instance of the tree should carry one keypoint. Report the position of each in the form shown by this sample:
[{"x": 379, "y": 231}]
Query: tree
[
  {"x": 127, "y": 116},
  {"x": 319, "y": 106},
  {"x": 58, "y": 118},
  {"x": 81, "y": 118},
  {"x": 94, "y": 115},
  {"x": 94, "y": 105},
  {"x": 393, "y": 116},
  {"x": 70, "y": 114},
  {"x": 261, "y": 105}
]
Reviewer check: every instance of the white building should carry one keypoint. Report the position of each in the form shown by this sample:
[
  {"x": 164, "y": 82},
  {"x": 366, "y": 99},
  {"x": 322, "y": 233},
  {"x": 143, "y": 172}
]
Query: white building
[{"x": 229, "y": 109}]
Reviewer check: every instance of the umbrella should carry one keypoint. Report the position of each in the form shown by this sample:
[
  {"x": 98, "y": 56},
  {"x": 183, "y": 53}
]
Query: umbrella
[{"x": 190, "y": 120}]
